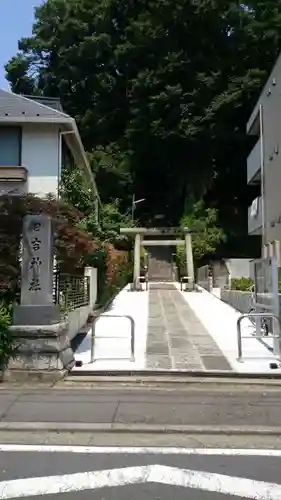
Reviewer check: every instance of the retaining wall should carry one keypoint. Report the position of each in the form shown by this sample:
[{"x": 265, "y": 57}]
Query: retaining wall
[{"x": 78, "y": 317}]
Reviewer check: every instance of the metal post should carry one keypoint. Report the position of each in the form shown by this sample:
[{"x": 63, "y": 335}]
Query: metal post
[
  {"x": 137, "y": 259},
  {"x": 189, "y": 258},
  {"x": 239, "y": 338},
  {"x": 132, "y": 339},
  {"x": 275, "y": 318}
]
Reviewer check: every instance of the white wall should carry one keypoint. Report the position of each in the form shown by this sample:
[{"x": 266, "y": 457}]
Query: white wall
[{"x": 41, "y": 157}]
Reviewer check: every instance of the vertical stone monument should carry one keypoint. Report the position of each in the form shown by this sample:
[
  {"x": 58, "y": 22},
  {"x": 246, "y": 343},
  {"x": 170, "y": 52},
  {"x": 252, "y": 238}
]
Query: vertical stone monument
[
  {"x": 36, "y": 302},
  {"x": 40, "y": 335}
]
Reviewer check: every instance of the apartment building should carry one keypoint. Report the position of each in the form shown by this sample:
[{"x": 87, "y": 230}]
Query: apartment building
[{"x": 264, "y": 165}]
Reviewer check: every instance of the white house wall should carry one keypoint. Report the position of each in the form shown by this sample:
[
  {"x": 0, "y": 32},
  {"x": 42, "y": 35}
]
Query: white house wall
[{"x": 41, "y": 157}]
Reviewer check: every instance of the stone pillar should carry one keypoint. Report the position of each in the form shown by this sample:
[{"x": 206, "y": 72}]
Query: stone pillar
[
  {"x": 137, "y": 255},
  {"x": 189, "y": 258},
  {"x": 92, "y": 273},
  {"x": 36, "y": 301},
  {"x": 41, "y": 337}
]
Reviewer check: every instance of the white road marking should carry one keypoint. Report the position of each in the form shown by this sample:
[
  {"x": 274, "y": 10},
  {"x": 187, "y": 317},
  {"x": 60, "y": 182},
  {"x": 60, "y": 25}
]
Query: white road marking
[
  {"x": 130, "y": 450},
  {"x": 205, "y": 481}
]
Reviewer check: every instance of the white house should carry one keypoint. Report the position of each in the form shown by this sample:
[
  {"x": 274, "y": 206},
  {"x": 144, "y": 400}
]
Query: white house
[{"x": 36, "y": 136}]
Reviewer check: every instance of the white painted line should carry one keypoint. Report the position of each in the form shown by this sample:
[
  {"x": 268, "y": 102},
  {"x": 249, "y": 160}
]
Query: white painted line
[
  {"x": 130, "y": 450},
  {"x": 185, "y": 478}
]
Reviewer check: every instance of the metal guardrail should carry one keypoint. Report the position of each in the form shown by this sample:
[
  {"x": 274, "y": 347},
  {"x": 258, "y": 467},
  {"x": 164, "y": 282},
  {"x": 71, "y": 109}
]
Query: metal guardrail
[
  {"x": 132, "y": 322},
  {"x": 254, "y": 315}
]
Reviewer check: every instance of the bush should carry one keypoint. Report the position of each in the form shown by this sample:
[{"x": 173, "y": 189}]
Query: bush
[
  {"x": 118, "y": 273},
  {"x": 114, "y": 270},
  {"x": 72, "y": 244},
  {"x": 242, "y": 284},
  {"x": 7, "y": 346}
]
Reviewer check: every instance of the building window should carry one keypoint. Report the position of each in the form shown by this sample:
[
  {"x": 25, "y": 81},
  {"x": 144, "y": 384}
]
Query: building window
[{"x": 10, "y": 146}]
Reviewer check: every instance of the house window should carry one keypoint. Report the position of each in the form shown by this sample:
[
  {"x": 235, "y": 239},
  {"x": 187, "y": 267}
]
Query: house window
[{"x": 10, "y": 146}]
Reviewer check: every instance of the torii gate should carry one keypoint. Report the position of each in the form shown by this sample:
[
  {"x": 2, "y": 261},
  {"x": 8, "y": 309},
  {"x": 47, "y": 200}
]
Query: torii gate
[{"x": 140, "y": 232}]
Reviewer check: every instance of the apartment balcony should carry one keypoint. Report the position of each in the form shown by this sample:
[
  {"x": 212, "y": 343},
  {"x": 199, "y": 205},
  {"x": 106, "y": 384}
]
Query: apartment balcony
[
  {"x": 253, "y": 125},
  {"x": 254, "y": 165},
  {"x": 255, "y": 217}
]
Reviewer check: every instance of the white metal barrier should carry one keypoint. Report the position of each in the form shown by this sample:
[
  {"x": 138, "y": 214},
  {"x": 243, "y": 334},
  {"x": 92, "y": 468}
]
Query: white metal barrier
[
  {"x": 132, "y": 335},
  {"x": 259, "y": 335}
]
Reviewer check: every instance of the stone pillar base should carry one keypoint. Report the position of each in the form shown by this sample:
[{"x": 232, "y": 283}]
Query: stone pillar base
[
  {"x": 36, "y": 315},
  {"x": 40, "y": 350}
]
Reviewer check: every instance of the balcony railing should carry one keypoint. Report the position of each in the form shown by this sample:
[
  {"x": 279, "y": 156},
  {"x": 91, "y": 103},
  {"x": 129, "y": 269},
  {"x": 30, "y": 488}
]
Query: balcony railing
[
  {"x": 255, "y": 217},
  {"x": 254, "y": 164}
]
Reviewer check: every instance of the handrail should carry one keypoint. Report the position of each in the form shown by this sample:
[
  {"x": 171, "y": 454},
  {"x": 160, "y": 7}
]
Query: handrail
[
  {"x": 132, "y": 322},
  {"x": 254, "y": 315}
]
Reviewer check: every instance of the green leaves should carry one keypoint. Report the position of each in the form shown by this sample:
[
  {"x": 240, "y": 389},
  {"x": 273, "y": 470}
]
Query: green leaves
[
  {"x": 161, "y": 91},
  {"x": 207, "y": 234},
  {"x": 7, "y": 343}
]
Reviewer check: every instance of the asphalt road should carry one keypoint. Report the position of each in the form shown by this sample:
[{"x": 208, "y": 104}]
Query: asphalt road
[
  {"x": 245, "y": 406},
  {"x": 119, "y": 475}
]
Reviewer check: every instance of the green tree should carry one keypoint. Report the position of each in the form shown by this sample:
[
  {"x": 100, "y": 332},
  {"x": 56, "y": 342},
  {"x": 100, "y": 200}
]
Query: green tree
[
  {"x": 168, "y": 85},
  {"x": 144, "y": 76},
  {"x": 106, "y": 227},
  {"x": 112, "y": 171},
  {"x": 206, "y": 235}
]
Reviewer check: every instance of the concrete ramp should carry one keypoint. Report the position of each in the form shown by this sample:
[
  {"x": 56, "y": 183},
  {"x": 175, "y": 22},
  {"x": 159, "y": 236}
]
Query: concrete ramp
[
  {"x": 174, "y": 332},
  {"x": 167, "y": 335}
]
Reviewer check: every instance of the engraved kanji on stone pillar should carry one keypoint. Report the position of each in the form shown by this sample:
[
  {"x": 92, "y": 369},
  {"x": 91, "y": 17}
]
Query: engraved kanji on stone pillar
[{"x": 36, "y": 302}]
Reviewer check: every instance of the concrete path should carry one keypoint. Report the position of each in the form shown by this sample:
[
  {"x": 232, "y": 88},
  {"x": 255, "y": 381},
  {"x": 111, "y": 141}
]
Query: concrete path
[
  {"x": 174, "y": 330},
  {"x": 111, "y": 344},
  {"x": 176, "y": 337},
  {"x": 220, "y": 320}
]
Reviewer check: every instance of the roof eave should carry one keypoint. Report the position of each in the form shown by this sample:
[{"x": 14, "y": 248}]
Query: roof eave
[{"x": 35, "y": 119}]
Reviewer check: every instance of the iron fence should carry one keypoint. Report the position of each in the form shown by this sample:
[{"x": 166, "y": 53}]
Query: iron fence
[{"x": 71, "y": 292}]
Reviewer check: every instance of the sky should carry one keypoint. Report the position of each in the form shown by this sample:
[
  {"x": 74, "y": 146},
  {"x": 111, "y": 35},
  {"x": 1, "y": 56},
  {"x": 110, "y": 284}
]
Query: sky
[{"x": 17, "y": 17}]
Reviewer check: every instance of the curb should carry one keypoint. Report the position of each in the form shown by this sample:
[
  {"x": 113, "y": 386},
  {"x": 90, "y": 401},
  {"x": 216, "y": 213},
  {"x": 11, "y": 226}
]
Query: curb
[
  {"x": 173, "y": 375},
  {"x": 79, "y": 427}
]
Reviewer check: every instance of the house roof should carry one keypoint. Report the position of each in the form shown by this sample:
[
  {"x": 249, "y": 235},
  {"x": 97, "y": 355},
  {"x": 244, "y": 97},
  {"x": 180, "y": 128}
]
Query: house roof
[
  {"x": 19, "y": 109},
  {"x": 14, "y": 107},
  {"x": 51, "y": 102}
]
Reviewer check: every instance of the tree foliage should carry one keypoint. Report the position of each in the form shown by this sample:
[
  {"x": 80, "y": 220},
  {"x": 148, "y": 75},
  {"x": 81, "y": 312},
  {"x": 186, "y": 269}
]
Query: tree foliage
[
  {"x": 161, "y": 91},
  {"x": 206, "y": 234},
  {"x": 72, "y": 244}
]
